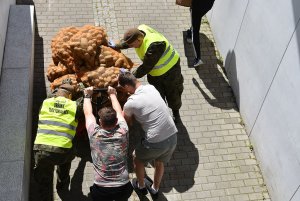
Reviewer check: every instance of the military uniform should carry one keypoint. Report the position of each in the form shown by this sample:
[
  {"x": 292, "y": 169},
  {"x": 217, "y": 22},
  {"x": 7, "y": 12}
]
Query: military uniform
[
  {"x": 161, "y": 63},
  {"x": 53, "y": 144},
  {"x": 169, "y": 85}
]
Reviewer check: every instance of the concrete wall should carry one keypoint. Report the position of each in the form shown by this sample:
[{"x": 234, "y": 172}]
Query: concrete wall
[
  {"x": 4, "y": 10},
  {"x": 261, "y": 53},
  {"x": 16, "y": 88}
]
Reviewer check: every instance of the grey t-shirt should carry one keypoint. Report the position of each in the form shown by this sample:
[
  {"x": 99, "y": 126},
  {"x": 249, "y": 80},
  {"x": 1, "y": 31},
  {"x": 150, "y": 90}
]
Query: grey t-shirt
[{"x": 149, "y": 109}]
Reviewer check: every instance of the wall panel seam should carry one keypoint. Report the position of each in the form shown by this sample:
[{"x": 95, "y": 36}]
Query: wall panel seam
[
  {"x": 237, "y": 37},
  {"x": 267, "y": 93}
]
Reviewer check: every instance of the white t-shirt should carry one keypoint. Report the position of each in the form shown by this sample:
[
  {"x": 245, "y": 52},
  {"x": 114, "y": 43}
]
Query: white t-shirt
[{"x": 149, "y": 109}]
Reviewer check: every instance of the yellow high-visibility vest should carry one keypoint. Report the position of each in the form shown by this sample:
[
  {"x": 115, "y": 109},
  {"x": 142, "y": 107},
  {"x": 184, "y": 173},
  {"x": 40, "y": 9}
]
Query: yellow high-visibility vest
[
  {"x": 57, "y": 124},
  {"x": 168, "y": 59}
]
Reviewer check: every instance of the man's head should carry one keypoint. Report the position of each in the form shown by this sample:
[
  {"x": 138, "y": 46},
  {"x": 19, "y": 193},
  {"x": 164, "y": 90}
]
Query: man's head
[
  {"x": 133, "y": 37},
  {"x": 107, "y": 117},
  {"x": 65, "y": 90},
  {"x": 128, "y": 81}
]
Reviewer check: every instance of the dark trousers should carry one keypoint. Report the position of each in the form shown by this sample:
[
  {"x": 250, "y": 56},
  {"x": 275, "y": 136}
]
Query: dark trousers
[
  {"x": 169, "y": 85},
  {"x": 198, "y": 9},
  {"x": 44, "y": 167},
  {"x": 121, "y": 193}
]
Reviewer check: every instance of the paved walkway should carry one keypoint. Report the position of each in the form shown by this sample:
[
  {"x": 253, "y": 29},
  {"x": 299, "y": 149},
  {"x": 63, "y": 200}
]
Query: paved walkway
[{"x": 213, "y": 160}]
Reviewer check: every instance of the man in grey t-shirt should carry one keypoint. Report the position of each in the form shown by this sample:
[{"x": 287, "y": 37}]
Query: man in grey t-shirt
[{"x": 148, "y": 108}]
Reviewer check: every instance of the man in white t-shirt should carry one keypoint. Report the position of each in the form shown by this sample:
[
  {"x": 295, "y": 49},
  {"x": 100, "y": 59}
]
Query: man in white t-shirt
[{"x": 160, "y": 139}]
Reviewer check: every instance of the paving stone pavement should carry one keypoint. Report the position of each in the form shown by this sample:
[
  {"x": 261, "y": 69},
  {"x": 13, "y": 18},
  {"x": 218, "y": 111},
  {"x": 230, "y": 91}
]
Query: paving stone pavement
[{"x": 213, "y": 160}]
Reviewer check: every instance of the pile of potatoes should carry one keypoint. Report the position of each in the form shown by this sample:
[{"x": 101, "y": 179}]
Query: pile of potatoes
[
  {"x": 61, "y": 51},
  {"x": 101, "y": 77},
  {"x": 56, "y": 71},
  {"x": 82, "y": 55},
  {"x": 110, "y": 57}
]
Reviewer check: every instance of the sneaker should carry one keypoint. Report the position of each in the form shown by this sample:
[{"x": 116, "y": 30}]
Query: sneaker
[
  {"x": 197, "y": 62},
  {"x": 135, "y": 186},
  {"x": 188, "y": 36},
  {"x": 148, "y": 184}
]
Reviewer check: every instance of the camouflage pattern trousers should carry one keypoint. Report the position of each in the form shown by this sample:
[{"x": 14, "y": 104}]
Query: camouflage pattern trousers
[
  {"x": 169, "y": 85},
  {"x": 44, "y": 167}
]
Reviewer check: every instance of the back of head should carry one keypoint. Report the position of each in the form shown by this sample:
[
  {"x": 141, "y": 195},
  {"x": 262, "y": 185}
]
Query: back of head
[
  {"x": 108, "y": 116},
  {"x": 127, "y": 78}
]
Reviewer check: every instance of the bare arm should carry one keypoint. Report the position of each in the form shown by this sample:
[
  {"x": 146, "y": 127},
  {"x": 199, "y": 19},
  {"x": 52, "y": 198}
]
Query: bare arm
[
  {"x": 129, "y": 117},
  {"x": 115, "y": 103},
  {"x": 87, "y": 108}
]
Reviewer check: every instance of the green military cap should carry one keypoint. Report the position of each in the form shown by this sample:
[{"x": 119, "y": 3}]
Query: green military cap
[{"x": 131, "y": 35}]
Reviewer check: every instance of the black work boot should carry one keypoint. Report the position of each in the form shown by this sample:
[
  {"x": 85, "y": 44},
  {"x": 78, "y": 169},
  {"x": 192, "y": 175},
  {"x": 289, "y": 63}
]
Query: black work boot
[{"x": 176, "y": 116}]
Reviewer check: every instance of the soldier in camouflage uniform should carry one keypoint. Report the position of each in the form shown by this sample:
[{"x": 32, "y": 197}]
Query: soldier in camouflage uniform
[
  {"x": 161, "y": 63},
  {"x": 53, "y": 142}
]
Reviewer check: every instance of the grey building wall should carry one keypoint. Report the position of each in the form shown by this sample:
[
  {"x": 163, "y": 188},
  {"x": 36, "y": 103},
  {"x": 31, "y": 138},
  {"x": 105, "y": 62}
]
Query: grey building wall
[
  {"x": 259, "y": 41},
  {"x": 4, "y": 10},
  {"x": 16, "y": 89}
]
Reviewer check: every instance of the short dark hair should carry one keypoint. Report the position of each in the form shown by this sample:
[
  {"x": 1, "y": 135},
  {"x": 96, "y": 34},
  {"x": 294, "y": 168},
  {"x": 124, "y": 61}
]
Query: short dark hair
[
  {"x": 108, "y": 116},
  {"x": 127, "y": 78}
]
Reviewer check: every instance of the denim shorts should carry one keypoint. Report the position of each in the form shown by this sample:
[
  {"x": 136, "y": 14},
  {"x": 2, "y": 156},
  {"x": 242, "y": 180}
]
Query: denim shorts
[{"x": 160, "y": 151}]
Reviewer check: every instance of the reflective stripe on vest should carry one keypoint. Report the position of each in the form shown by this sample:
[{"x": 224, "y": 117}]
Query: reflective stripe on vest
[
  {"x": 57, "y": 124},
  {"x": 168, "y": 59},
  {"x": 51, "y": 132}
]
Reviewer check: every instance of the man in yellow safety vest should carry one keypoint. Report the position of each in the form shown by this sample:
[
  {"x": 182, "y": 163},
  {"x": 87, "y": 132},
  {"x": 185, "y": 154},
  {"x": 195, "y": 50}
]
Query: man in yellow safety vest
[
  {"x": 161, "y": 63},
  {"x": 53, "y": 143}
]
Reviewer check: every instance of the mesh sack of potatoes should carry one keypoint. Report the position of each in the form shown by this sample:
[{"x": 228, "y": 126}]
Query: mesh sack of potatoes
[
  {"x": 101, "y": 77},
  {"x": 59, "y": 81},
  {"x": 54, "y": 71},
  {"x": 81, "y": 54},
  {"x": 85, "y": 46},
  {"x": 110, "y": 57},
  {"x": 61, "y": 51}
]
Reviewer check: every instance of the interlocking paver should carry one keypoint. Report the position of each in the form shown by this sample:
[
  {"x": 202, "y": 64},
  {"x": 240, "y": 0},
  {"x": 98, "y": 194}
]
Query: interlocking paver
[{"x": 213, "y": 160}]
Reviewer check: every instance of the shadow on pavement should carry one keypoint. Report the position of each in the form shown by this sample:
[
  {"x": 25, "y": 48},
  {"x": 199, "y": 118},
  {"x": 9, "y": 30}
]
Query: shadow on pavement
[
  {"x": 83, "y": 151},
  {"x": 75, "y": 192},
  {"x": 160, "y": 197},
  {"x": 213, "y": 84},
  {"x": 180, "y": 171},
  {"x": 39, "y": 93},
  {"x": 231, "y": 68},
  {"x": 141, "y": 196}
]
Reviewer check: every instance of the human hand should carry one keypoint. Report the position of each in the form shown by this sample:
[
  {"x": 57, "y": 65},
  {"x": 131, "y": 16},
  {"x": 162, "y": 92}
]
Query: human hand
[
  {"x": 88, "y": 91},
  {"x": 123, "y": 70},
  {"x": 111, "y": 91},
  {"x": 111, "y": 44}
]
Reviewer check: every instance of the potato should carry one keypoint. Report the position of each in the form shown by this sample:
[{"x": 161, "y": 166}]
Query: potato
[{"x": 81, "y": 54}]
